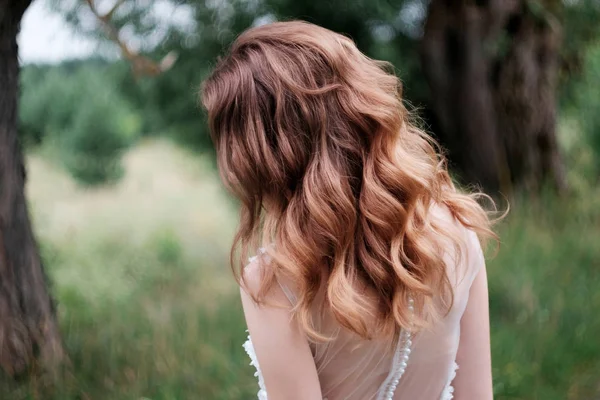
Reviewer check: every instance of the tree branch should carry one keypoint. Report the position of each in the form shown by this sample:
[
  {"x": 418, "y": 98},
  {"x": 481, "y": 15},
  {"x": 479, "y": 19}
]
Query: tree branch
[
  {"x": 108, "y": 15},
  {"x": 141, "y": 65}
]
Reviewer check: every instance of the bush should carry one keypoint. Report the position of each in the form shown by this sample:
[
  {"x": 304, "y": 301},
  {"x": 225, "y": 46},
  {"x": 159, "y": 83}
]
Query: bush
[
  {"x": 79, "y": 114},
  {"x": 91, "y": 147},
  {"x": 588, "y": 101},
  {"x": 46, "y": 103}
]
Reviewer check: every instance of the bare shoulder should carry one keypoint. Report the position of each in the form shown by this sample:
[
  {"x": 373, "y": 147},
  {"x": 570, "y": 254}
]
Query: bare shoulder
[
  {"x": 258, "y": 274},
  {"x": 253, "y": 274},
  {"x": 470, "y": 255},
  {"x": 443, "y": 216}
]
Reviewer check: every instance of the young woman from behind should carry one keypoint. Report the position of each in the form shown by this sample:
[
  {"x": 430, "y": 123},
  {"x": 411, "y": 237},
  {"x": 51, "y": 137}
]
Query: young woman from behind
[{"x": 370, "y": 282}]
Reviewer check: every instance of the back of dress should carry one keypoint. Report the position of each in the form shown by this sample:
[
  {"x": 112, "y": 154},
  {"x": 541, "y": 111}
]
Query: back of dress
[{"x": 413, "y": 366}]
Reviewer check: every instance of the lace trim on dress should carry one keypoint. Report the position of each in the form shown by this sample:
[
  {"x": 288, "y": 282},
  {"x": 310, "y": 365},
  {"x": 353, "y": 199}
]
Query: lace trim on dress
[
  {"x": 448, "y": 393},
  {"x": 249, "y": 347},
  {"x": 399, "y": 363}
]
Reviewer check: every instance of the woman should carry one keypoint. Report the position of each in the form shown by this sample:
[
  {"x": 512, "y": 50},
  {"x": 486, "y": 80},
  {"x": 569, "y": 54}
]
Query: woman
[{"x": 371, "y": 283}]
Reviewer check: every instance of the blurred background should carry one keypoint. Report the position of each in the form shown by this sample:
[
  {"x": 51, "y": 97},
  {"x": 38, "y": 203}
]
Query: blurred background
[{"x": 134, "y": 228}]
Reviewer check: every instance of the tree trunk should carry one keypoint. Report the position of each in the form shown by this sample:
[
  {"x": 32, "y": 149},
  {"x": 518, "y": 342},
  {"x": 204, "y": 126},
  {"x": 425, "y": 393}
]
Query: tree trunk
[
  {"x": 491, "y": 68},
  {"x": 28, "y": 329}
]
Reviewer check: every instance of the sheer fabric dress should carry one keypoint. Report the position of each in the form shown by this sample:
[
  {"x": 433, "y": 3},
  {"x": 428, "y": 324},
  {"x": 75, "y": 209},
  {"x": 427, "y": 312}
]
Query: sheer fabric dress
[{"x": 420, "y": 366}]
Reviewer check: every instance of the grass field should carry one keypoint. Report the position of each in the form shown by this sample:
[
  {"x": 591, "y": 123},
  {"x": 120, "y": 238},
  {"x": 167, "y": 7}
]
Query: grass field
[{"x": 149, "y": 310}]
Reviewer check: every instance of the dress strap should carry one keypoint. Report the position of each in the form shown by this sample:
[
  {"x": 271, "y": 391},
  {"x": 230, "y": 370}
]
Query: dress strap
[
  {"x": 288, "y": 293},
  {"x": 286, "y": 290}
]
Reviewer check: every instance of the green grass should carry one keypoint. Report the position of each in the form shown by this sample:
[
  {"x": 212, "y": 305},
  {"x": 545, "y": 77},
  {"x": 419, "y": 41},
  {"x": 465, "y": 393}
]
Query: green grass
[
  {"x": 544, "y": 299},
  {"x": 146, "y": 303},
  {"x": 148, "y": 308}
]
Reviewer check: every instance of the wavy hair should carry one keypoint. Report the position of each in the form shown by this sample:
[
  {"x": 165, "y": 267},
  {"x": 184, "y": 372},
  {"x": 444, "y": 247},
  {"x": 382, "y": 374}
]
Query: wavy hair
[{"x": 313, "y": 138}]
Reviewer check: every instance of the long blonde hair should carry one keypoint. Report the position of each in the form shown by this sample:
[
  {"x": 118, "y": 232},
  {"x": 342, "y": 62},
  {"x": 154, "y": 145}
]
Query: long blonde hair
[{"x": 313, "y": 138}]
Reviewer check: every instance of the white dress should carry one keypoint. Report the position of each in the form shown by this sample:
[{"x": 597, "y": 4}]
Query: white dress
[{"x": 421, "y": 367}]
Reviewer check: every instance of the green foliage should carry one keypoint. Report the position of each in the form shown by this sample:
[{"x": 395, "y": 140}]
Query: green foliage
[
  {"x": 168, "y": 248},
  {"x": 32, "y": 109},
  {"x": 48, "y": 100},
  {"x": 91, "y": 146},
  {"x": 76, "y": 110},
  {"x": 388, "y": 30},
  {"x": 587, "y": 102},
  {"x": 384, "y": 29},
  {"x": 170, "y": 101},
  {"x": 542, "y": 293}
]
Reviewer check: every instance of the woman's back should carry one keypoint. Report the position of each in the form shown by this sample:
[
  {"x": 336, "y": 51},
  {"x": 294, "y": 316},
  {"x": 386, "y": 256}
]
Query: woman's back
[{"x": 412, "y": 366}]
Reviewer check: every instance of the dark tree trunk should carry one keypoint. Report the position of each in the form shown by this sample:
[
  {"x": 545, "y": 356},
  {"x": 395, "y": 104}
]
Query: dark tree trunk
[
  {"x": 491, "y": 68},
  {"x": 28, "y": 329}
]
